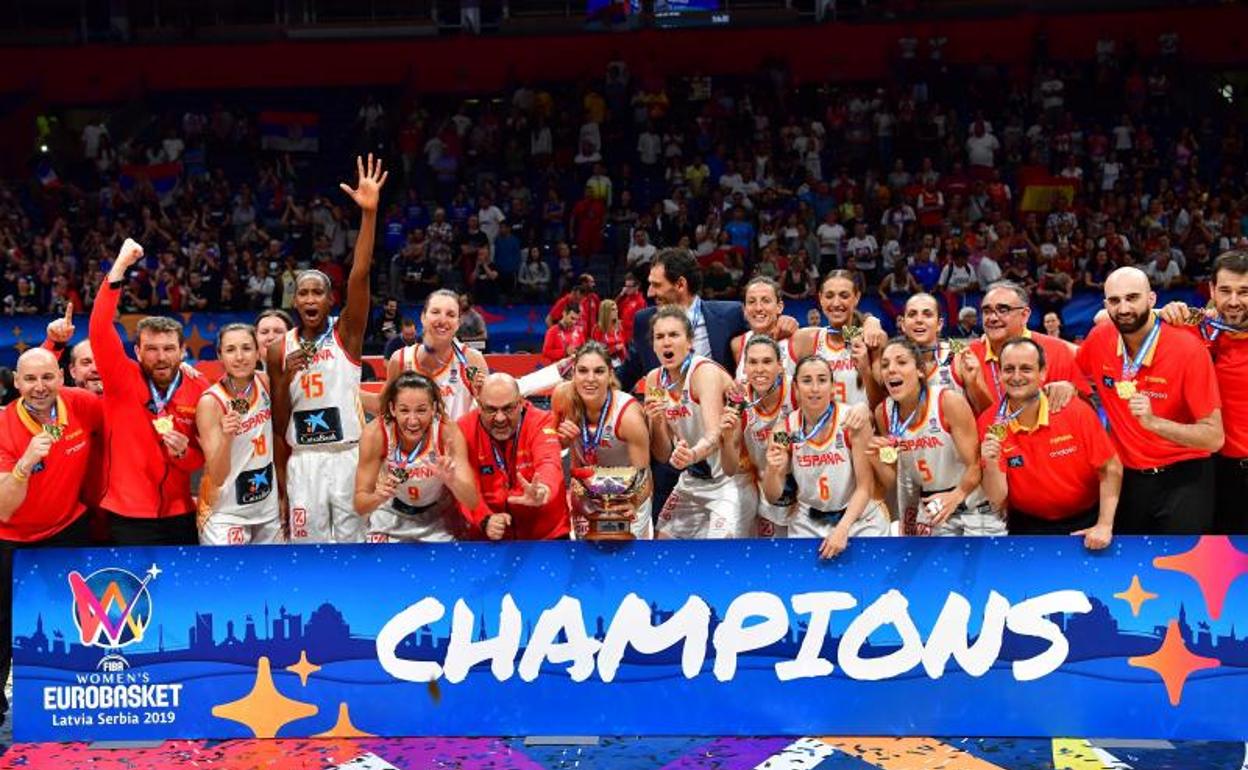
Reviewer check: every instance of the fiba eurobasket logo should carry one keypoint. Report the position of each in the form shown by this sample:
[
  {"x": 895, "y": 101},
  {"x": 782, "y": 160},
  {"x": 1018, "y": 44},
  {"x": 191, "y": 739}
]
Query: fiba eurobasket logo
[{"x": 112, "y": 608}]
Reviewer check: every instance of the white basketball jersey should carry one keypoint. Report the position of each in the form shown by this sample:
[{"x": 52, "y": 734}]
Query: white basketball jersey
[
  {"x": 612, "y": 451},
  {"x": 759, "y": 424},
  {"x": 928, "y": 457},
  {"x": 684, "y": 418},
  {"x": 325, "y": 396},
  {"x": 944, "y": 375},
  {"x": 247, "y": 495},
  {"x": 786, "y": 357},
  {"x": 846, "y": 387},
  {"x": 824, "y": 473},
  {"x": 421, "y": 504},
  {"x": 451, "y": 378}
]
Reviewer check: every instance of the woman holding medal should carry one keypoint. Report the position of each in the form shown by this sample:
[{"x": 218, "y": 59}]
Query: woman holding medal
[
  {"x": 764, "y": 404},
  {"x": 238, "y": 504},
  {"x": 828, "y": 463},
  {"x": 763, "y": 309},
  {"x": 684, "y": 405},
  {"x": 413, "y": 467},
  {"x": 844, "y": 343},
  {"x": 928, "y": 450},
  {"x": 947, "y": 363},
  {"x": 603, "y": 426},
  {"x": 457, "y": 371}
]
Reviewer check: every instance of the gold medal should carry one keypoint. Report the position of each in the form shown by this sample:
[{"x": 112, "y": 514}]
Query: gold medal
[
  {"x": 957, "y": 347},
  {"x": 888, "y": 454},
  {"x": 399, "y": 472},
  {"x": 782, "y": 438},
  {"x": 655, "y": 394},
  {"x": 850, "y": 333},
  {"x": 1125, "y": 388},
  {"x": 55, "y": 430},
  {"x": 998, "y": 430},
  {"x": 163, "y": 424},
  {"x": 309, "y": 348},
  {"x": 1195, "y": 315},
  {"x": 239, "y": 405}
]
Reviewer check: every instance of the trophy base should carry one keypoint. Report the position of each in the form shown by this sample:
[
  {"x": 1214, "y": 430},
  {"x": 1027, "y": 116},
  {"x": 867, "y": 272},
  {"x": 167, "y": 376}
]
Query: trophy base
[{"x": 609, "y": 529}]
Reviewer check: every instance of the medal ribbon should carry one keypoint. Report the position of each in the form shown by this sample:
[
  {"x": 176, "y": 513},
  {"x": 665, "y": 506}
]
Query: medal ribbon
[
  {"x": 897, "y": 428},
  {"x": 1005, "y": 419},
  {"x": 160, "y": 401},
  {"x": 665, "y": 380},
  {"x": 329, "y": 329},
  {"x": 405, "y": 460},
  {"x": 805, "y": 435},
  {"x": 590, "y": 445},
  {"x": 760, "y": 399},
  {"x": 1131, "y": 368},
  {"x": 229, "y": 387},
  {"x": 51, "y": 414},
  {"x": 1210, "y": 328}
]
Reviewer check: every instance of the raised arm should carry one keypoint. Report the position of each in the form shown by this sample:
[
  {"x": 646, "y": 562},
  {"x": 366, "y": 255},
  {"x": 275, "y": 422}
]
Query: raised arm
[
  {"x": 110, "y": 353},
  {"x": 366, "y": 195}
]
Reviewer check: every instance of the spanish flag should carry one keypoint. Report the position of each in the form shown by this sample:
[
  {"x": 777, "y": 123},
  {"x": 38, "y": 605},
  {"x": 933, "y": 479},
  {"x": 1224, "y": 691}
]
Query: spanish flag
[{"x": 1041, "y": 189}]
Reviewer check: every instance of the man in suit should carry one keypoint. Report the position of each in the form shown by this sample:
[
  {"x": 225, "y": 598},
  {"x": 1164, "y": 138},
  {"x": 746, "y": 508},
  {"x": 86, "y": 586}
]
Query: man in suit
[{"x": 676, "y": 279}]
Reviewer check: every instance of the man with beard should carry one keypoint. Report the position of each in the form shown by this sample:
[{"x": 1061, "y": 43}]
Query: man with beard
[
  {"x": 81, "y": 365},
  {"x": 315, "y": 375},
  {"x": 1160, "y": 393},
  {"x": 1225, "y": 333},
  {"x": 515, "y": 456},
  {"x": 150, "y": 449}
]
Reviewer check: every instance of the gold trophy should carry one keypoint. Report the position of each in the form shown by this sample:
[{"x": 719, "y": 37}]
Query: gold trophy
[{"x": 606, "y": 500}]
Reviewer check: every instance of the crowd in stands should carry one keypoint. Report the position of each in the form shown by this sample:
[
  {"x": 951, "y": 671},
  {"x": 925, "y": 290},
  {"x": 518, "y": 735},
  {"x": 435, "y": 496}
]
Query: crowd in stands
[{"x": 913, "y": 183}]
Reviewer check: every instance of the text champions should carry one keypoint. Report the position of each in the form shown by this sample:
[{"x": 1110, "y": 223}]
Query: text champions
[{"x": 753, "y": 621}]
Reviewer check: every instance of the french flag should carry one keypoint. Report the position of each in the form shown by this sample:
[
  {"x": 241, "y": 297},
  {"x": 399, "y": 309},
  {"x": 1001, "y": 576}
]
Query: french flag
[
  {"x": 290, "y": 131},
  {"x": 163, "y": 176},
  {"x": 47, "y": 175}
]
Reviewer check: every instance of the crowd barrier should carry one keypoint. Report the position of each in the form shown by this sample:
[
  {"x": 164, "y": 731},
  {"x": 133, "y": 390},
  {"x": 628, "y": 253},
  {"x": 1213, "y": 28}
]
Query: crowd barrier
[{"x": 897, "y": 636}]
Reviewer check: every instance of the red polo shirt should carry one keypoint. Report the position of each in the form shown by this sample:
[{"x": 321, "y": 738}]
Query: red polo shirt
[
  {"x": 141, "y": 478},
  {"x": 1230, "y": 365},
  {"x": 1177, "y": 375},
  {"x": 56, "y": 493},
  {"x": 534, "y": 454},
  {"x": 1052, "y": 467},
  {"x": 1059, "y": 360}
]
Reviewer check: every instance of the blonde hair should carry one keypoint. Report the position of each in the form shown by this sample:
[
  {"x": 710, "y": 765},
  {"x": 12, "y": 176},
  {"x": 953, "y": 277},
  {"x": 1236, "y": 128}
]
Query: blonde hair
[{"x": 604, "y": 312}]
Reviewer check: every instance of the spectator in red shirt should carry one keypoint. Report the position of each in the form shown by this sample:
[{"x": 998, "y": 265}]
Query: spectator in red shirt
[
  {"x": 630, "y": 300},
  {"x": 150, "y": 449},
  {"x": 514, "y": 451},
  {"x": 563, "y": 338}
]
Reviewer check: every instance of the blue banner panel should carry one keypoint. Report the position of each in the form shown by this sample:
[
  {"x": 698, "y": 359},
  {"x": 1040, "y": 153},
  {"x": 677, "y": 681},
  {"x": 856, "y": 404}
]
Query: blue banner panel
[{"x": 898, "y": 636}]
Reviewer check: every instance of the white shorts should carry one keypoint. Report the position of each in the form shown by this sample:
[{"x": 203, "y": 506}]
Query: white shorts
[
  {"x": 216, "y": 532},
  {"x": 642, "y": 525},
  {"x": 320, "y": 486},
  {"x": 699, "y": 509},
  {"x": 389, "y": 525},
  {"x": 873, "y": 522}
]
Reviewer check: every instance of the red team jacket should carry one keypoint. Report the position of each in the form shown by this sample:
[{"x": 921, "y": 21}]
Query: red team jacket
[
  {"x": 141, "y": 479},
  {"x": 532, "y": 453}
]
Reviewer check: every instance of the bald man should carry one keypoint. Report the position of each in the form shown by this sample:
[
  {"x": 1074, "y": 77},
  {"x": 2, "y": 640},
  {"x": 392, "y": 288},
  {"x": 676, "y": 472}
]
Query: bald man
[
  {"x": 1159, "y": 389},
  {"x": 515, "y": 454},
  {"x": 46, "y": 438},
  {"x": 315, "y": 374}
]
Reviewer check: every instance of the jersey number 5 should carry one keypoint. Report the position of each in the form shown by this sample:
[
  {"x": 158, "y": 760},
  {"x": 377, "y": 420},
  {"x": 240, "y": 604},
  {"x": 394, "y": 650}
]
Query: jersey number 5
[{"x": 312, "y": 385}]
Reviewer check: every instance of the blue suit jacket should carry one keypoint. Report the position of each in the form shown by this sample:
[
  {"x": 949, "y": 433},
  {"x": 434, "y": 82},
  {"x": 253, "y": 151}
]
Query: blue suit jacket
[{"x": 725, "y": 319}]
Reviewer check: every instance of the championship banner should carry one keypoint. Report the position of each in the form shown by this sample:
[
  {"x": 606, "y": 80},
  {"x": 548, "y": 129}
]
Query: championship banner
[{"x": 897, "y": 636}]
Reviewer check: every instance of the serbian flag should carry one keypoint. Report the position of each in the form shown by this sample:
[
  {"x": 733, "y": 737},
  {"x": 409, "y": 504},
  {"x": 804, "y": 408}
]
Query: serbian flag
[
  {"x": 163, "y": 176},
  {"x": 1041, "y": 189},
  {"x": 290, "y": 131}
]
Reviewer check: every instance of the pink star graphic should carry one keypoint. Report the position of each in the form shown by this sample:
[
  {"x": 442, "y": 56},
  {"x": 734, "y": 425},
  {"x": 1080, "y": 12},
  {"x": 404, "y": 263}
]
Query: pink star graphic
[{"x": 1214, "y": 564}]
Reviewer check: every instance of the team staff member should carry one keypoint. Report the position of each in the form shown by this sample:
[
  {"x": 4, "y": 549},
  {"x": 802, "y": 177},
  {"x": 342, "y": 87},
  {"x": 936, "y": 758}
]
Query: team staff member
[
  {"x": 1056, "y": 472},
  {"x": 1225, "y": 333},
  {"x": 150, "y": 448},
  {"x": 1160, "y": 393},
  {"x": 237, "y": 494},
  {"x": 315, "y": 375},
  {"x": 563, "y": 338},
  {"x": 514, "y": 452},
  {"x": 1006, "y": 307},
  {"x": 45, "y": 452}
]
